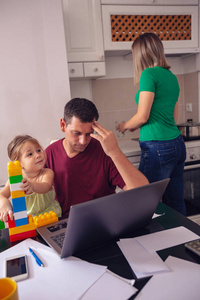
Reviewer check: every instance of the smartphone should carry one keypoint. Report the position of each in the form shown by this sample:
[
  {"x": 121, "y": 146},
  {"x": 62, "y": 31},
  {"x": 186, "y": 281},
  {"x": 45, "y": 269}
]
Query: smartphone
[{"x": 16, "y": 267}]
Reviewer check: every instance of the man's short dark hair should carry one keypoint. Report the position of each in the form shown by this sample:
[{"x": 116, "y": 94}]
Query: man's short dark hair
[{"x": 81, "y": 108}]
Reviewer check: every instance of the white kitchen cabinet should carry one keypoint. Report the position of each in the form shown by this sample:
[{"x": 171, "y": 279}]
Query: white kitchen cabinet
[
  {"x": 94, "y": 69},
  {"x": 86, "y": 69},
  {"x": 83, "y": 30},
  {"x": 150, "y": 2},
  {"x": 177, "y": 26},
  {"x": 75, "y": 70}
]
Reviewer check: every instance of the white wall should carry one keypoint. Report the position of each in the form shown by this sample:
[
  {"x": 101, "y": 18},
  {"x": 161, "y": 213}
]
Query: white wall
[
  {"x": 121, "y": 67},
  {"x": 34, "y": 84}
]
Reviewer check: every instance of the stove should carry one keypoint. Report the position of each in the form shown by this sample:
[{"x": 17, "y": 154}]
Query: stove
[
  {"x": 192, "y": 178},
  {"x": 193, "y": 152}
]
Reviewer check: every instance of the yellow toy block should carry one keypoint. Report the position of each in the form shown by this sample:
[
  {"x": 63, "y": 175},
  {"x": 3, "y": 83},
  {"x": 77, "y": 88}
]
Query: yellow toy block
[
  {"x": 14, "y": 168},
  {"x": 17, "y": 194},
  {"x": 23, "y": 228},
  {"x": 45, "y": 219}
]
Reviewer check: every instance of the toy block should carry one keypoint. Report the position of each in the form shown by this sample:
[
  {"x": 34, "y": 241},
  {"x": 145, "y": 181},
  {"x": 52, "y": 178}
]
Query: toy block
[
  {"x": 21, "y": 222},
  {"x": 11, "y": 223},
  {"x": 18, "y": 204},
  {"x": 2, "y": 225},
  {"x": 14, "y": 169},
  {"x": 22, "y": 235},
  {"x": 15, "y": 179},
  {"x": 23, "y": 232},
  {"x": 46, "y": 218},
  {"x": 18, "y": 196},
  {"x": 23, "y": 228}
]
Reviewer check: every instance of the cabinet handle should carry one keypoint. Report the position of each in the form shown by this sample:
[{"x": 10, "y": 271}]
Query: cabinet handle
[
  {"x": 72, "y": 70},
  {"x": 96, "y": 69}
]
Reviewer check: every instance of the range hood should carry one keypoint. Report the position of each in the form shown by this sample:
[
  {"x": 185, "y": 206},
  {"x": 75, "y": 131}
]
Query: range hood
[{"x": 127, "y": 54}]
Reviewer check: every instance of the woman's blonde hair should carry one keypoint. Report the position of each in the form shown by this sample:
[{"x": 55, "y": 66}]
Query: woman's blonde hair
[
  {"x": 16, "y": 144},
  {"x": 148, "y": 52}
]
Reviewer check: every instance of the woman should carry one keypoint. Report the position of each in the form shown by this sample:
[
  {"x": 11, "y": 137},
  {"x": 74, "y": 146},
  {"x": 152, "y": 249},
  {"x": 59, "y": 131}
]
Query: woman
[{"x": 163, "y": 150}]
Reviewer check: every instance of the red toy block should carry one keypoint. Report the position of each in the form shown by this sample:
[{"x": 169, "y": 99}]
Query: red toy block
[
  {"x": 11, "y": 224},
  {"x": 22, "y": 236}
]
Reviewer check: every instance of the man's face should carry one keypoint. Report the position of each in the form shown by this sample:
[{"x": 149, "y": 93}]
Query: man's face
[{"x": 77, "y": 135}]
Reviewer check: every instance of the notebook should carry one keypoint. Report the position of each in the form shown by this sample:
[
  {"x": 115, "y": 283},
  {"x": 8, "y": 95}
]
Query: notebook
[{"x": 94, "y": 222}]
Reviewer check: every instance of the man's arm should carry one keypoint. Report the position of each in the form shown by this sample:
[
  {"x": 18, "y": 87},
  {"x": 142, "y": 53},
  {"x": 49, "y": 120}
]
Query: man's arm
[{"x": 131, "y": 176}]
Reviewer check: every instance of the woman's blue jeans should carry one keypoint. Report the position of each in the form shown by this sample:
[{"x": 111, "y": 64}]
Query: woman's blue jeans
[{"x": 166, "y": 159}]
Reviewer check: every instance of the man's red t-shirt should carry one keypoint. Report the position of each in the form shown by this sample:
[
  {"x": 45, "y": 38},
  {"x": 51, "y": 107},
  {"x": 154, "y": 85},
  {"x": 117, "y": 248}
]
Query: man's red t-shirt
[{"x": 88, "y": 175}]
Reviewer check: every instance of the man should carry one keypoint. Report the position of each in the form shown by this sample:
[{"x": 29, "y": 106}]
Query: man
[{"x": 88, "y": 163}]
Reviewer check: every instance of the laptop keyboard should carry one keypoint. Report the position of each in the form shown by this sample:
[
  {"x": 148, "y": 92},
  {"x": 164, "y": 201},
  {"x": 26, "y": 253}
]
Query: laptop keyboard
[{"x": 58, "y": 239}]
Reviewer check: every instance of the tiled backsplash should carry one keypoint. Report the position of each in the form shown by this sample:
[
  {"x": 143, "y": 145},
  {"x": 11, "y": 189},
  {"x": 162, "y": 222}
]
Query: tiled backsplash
[{"x": 115, "y": 101}]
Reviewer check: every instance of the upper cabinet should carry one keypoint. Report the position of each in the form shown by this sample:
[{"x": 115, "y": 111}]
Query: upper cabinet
[
  {"x": 177, "y": 26},
  {"x": 84, "y": 38},
  {"x": 83, "y": 27}
]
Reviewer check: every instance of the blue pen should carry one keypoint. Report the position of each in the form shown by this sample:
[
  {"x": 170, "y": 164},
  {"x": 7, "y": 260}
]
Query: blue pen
[{"x": 38, "y": 261}]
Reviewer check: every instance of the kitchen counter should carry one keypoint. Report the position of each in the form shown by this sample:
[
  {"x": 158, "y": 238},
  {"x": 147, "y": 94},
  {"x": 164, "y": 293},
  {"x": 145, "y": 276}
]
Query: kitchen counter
[{"x": 130, "y": 147}]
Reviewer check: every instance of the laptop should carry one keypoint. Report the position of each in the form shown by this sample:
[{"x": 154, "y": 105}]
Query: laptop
[{"x": 94, "y": 222}]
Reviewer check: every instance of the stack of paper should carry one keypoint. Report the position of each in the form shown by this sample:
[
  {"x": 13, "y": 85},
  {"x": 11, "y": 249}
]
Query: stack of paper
[
  {"x": 182, "y": 282},
  {"x": 140, "y": 252}
]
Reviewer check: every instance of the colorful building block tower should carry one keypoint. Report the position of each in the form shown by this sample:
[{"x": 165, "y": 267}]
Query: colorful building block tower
[{"x": 22, "y": 225}]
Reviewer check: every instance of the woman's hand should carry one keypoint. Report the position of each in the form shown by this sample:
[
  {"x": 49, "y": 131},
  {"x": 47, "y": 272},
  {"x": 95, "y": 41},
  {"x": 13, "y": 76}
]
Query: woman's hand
[{"x": 121, "y": 128}]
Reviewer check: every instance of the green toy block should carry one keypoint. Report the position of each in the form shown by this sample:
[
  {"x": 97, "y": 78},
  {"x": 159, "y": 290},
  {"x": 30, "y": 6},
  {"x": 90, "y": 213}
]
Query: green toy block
[{"x": 2, "y": 225}]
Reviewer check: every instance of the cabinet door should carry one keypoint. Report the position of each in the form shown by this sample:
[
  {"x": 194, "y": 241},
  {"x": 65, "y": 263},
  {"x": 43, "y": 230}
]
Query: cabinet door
[
  {"x": 83, "y": 30},
  {"x": 177, "y": 26}
]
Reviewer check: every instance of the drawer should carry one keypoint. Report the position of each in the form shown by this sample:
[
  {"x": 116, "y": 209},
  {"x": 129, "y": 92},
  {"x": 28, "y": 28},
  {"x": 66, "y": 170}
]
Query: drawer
[
  {"x": 94, "y": 69},
  {"x": 75, "y": 70}
]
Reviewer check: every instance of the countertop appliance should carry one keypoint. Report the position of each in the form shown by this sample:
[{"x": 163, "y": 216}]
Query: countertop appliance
[
  {"x": 190, "y": 130},
  {"x": 132, "y": 151}
]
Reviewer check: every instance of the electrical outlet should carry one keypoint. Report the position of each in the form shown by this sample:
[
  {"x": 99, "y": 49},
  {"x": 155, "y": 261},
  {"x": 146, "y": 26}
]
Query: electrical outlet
[{"x": 189, "y": 107}]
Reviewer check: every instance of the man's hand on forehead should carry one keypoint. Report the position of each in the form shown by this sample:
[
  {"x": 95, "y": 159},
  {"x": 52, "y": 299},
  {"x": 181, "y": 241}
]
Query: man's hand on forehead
[{"x": 106, "y": 138}]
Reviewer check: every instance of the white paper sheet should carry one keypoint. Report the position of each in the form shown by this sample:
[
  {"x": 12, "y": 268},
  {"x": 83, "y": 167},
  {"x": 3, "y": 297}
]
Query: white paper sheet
[
  {"x": 182, "y": 283},
  {"x": 67, "y": 278},
  {"x": 108, "y": 287},
  {"x": 166, "y": 238},
  {"x": 141, "y": 261}
]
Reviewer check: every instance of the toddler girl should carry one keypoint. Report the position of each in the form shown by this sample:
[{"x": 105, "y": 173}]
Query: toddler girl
[{"x": 37, "y": 180}]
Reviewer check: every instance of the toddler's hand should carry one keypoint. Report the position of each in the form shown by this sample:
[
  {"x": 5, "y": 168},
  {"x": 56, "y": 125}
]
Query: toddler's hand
[
  {"x": 5, "y": 210},
  {"x": 26, "y": 186}
]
